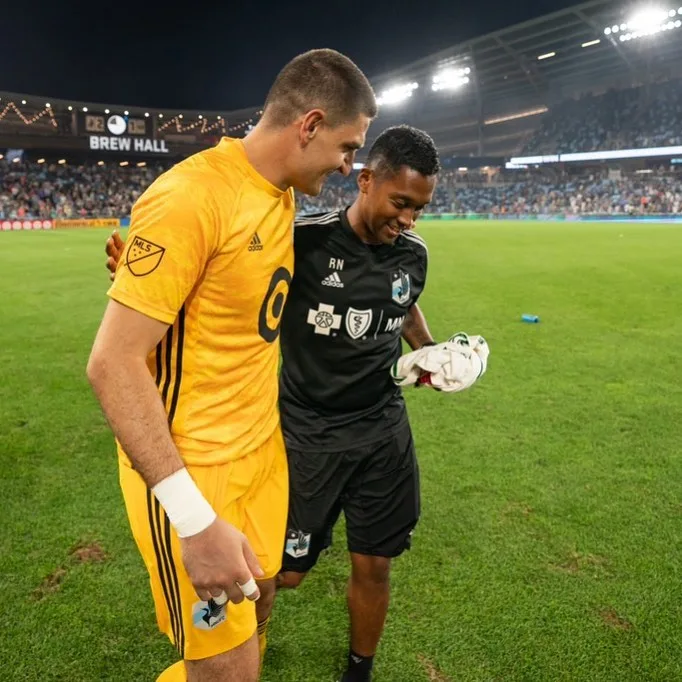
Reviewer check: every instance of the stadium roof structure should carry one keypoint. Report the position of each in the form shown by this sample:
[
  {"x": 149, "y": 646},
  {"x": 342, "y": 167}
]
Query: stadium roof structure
[
  {"x": 563, "y": 49},
  {"x": 506, "y": 79}
]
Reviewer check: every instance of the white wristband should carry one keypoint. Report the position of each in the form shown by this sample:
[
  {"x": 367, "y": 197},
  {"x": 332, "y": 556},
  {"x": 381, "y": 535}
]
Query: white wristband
[{"x": 187, "y": 509}]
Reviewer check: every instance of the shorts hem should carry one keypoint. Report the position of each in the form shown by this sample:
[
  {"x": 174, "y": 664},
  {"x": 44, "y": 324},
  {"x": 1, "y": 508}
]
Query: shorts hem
[
  {"x": 206, "y": 651},
  {"x": 379, "y": 553}
]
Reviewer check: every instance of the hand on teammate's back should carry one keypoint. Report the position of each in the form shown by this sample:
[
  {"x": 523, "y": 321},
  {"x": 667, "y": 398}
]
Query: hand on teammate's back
[
  {"x": 114, "y": 250},
  {"x": 220, "y": 559}
]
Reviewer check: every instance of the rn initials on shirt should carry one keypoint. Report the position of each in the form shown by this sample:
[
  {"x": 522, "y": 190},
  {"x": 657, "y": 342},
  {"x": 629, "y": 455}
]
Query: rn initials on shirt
[{"x": 336, "y": 263}]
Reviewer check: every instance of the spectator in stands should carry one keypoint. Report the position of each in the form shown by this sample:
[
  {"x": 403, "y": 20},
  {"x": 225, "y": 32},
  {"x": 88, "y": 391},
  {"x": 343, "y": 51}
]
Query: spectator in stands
[{"x": 646, "y": 116}]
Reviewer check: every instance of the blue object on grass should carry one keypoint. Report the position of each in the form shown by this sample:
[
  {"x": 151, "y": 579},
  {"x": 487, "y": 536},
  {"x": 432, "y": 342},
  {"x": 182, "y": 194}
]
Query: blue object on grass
[{"x": 530, "y": 318}]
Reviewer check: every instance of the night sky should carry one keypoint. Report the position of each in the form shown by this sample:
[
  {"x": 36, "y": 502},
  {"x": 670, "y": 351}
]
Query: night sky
[{"x": 221, "y": 55}]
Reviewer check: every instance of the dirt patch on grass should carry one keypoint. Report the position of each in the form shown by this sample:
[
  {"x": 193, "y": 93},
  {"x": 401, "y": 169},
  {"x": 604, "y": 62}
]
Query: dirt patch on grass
[
  {"x": 517, "y": 510},
  {"x": 432, "y": 672},
  {"x": 578, "y": 563},
  {"x": 610, "y": 617},
  {"x": 88, "y": 553},
  {"x": 49, "y": 585},
  {"x": 82, "y": 553}
]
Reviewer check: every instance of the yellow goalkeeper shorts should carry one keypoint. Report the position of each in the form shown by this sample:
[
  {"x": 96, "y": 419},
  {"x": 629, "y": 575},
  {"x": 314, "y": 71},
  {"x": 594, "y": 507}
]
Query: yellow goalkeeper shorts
[{"x": 251, "y": 493}]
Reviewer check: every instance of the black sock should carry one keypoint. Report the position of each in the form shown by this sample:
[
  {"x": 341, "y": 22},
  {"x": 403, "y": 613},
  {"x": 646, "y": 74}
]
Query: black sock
[{"x": 359, "y": 668}]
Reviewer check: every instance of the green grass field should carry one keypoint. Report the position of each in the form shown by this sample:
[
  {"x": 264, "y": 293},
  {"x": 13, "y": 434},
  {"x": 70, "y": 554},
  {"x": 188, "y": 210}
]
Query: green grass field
[{"x": 550, "y": 544}]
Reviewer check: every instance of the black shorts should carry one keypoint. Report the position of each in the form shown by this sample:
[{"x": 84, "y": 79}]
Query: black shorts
[{"x": 376, "y": 486}]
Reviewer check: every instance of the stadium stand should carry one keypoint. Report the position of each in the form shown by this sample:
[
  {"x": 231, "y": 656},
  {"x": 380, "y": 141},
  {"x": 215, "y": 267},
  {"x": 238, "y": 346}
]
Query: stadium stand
[
  {"x": 633, "y": 118},
  {"x": 578, "y": 80},
  {"x": 54, "y": 191},
  {"x": 32, "y": 190}
]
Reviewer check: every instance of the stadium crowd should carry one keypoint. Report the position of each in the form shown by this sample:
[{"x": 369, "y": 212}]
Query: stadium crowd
[
  {"x": 61, "y": 191},
  {"x": 31, "y": 190},
  {"x": 647, "y": 116}
]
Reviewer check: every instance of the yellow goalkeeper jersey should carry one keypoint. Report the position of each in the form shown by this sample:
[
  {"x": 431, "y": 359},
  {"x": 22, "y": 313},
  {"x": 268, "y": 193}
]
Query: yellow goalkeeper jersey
[{"x": 210, "y": 253}]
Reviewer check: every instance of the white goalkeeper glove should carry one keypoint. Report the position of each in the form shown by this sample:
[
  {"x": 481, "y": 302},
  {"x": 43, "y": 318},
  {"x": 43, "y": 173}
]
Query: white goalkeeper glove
[{"x": 451, "y": 366}]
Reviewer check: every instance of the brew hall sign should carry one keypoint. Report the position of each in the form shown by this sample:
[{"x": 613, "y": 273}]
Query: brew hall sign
[{"x": 118, "y": 141}]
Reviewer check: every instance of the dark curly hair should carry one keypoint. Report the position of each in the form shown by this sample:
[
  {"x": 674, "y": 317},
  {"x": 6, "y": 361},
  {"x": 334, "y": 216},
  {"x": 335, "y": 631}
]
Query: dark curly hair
[{"x": 404, "y": 146}]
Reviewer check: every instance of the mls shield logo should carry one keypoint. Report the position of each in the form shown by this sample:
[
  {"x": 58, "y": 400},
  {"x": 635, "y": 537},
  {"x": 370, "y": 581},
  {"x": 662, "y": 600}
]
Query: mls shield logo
[
  {"x": 298, "y": 543},
  {"x": 358, "y": 322},
  {"x": 143, "y": 256},
  {"x": 207, "y": 615},
  {"x": 401, "y": 287}
]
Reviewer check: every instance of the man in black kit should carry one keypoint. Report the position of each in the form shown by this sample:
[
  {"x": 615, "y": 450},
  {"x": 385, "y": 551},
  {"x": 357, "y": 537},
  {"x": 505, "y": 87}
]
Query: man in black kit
[{"x": 359, "y": 273}]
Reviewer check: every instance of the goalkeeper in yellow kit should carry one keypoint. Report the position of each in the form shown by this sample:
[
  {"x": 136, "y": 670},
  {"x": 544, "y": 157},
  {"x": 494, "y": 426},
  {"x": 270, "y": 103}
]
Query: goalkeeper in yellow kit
[{"x": 185, "y": 361}]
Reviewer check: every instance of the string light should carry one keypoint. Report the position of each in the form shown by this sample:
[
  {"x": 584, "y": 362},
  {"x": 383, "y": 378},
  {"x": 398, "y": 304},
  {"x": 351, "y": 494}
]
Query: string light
[
  {"x": 201, "y": 123},
  {"x": 100, "y": 163},
  {"x": 106, "y": 111},
  {"x": 11, "y": 106},
  {"x": 123, "y": 163},
  {"x": 245, "y": 124}
]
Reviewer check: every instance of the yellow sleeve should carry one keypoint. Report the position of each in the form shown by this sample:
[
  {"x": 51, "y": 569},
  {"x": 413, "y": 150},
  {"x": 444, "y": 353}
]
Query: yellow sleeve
[{"x": 174, "y": 231}]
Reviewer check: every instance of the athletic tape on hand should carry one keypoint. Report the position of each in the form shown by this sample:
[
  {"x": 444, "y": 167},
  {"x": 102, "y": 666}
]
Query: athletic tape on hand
[
  {"x": 221, "y": 598},
  {"x": 249, "y": 588}
]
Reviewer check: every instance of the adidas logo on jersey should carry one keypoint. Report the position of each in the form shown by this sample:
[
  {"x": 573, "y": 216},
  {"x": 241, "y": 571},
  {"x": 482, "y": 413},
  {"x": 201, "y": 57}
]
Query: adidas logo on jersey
[
  {"x": 255, "y": 244},
  {"x": 333, "y": 281}
]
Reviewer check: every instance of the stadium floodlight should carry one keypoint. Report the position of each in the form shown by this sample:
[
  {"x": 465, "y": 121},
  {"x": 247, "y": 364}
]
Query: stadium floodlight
[
  {"x": 647, "y": 22},
  {"x": 450, "y": 79},
  {"x": 589, "y": 43},
  {"x": 547, "y": 55},
  {"x": 397, "y": 93}
]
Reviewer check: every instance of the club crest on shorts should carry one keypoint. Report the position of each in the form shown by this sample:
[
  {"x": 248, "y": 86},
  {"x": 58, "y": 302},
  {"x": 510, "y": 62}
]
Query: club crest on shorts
[
  {"x": 400, "y": 287},
  {"x": 207, "y": 615},
  {"x": 298, "y": 543}
]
